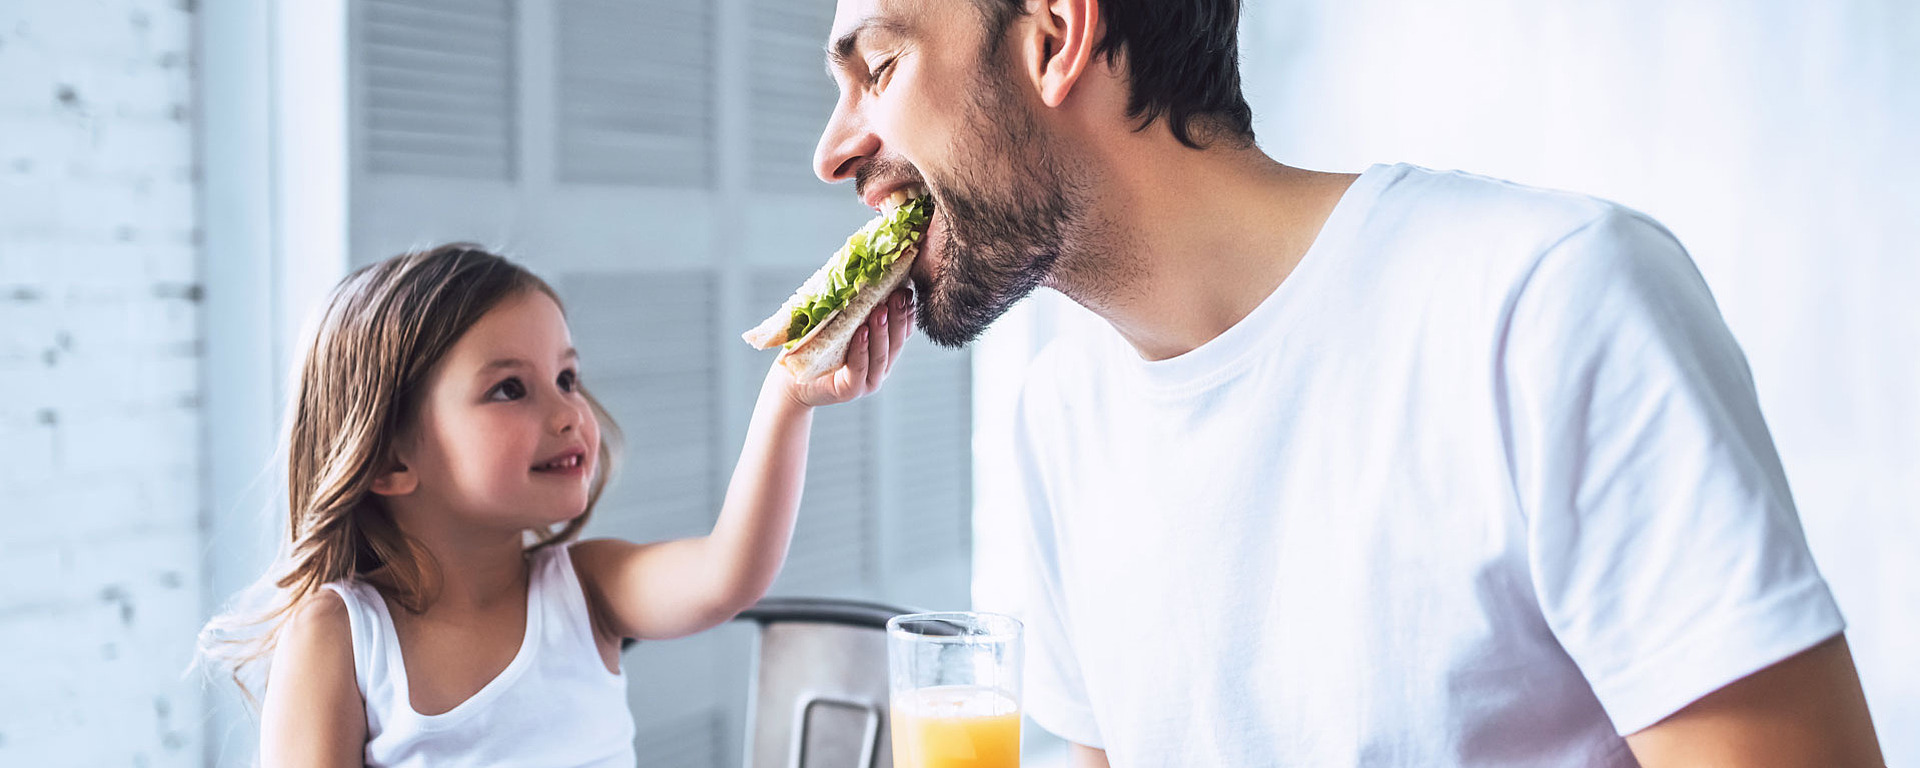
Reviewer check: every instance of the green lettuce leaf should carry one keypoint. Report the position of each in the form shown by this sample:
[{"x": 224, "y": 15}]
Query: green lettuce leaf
[{"x": 866, "y": 256}]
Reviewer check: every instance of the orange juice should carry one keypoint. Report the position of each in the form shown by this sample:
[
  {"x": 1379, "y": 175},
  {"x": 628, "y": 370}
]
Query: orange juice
[{"x": 955, "y": 726}]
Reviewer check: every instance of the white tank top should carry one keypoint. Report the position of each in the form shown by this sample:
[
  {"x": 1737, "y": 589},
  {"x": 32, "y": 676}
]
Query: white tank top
[{"x": 554, "y": 705}]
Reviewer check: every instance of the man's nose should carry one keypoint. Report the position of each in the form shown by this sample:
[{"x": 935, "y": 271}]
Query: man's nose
[{"x": 844, "y": 145}]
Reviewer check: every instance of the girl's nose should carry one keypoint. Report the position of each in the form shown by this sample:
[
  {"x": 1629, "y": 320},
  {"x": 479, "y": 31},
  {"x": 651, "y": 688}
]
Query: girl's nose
[{"x": 567, "y": 417}]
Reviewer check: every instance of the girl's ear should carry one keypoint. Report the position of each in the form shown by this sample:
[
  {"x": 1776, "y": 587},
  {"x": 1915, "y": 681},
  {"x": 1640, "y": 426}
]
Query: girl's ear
[{"x": 396, "y": 481}]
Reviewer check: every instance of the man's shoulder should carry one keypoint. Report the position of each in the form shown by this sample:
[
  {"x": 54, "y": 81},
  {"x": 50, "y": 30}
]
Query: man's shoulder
[
  {"x": 1457, "y": 192},
  {"x": 1486, "y": 234},
  {"x": 1459, "y": 207}
]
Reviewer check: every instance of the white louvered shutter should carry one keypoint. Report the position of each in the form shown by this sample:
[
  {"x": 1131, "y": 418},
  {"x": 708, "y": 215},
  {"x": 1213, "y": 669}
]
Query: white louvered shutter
[
  {"x": 645, "y": 342},
  {"x": 636, "y": 89},
  {"x": 439, "y": 95},
  {"x": 791, "y": 95},
  {"x": 926, "y": 493}
]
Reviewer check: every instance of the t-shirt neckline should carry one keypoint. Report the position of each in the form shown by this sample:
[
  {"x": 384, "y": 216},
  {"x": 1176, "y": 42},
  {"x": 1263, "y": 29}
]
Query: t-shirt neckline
[{"x": 1221, "y": 356}]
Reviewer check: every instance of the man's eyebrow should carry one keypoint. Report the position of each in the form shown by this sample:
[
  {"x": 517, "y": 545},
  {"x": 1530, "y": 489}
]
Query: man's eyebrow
[{"x": 840, "y": 51}]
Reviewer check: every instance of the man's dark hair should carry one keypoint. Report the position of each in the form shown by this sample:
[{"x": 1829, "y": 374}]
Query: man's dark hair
[{"x": 1183, "y": 62}]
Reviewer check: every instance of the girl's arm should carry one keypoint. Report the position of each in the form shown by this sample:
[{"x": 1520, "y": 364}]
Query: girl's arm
[
  {"x": 676, "y": 588},
  {"x": 313, "y": 715}
]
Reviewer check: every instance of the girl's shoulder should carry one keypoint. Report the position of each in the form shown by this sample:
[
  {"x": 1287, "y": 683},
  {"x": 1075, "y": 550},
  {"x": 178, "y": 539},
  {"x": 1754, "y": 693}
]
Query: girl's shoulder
[
  {"x": 594, "y": 564},
  {"x": 593, "y": 560},
  {"x": 312, "y": 697},
  {"x": 313, "y": 655},
  {"x": 318, "y": 631},
  {"x": 325, "y": 631}
]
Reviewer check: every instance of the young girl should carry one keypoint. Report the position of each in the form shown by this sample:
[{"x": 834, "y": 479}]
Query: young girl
[{"x": 432, "y": 607}]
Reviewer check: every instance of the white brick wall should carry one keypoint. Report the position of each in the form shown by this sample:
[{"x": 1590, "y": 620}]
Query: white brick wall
[{"x": 99, "y": 392}]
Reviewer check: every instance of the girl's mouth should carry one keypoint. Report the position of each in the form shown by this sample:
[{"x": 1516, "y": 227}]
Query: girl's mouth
[{"x": 569, "y": 463}]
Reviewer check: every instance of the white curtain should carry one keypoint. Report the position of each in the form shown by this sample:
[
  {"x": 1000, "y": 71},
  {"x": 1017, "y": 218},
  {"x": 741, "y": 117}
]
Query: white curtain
[{"x": 1779, "y": 140}]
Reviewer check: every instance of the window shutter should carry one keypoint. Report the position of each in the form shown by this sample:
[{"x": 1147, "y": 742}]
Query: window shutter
[
  {"x": 439, "y": 80},
  {"x": 791, "y": 94},
  {"x": 636, "y": 92},
  {"x": 646, "y": 353},
  {"x": 927, "y": 496}
]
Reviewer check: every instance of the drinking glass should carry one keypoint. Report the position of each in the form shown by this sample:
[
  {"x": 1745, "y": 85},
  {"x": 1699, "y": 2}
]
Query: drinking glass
[{"x": 954, "y": 680}]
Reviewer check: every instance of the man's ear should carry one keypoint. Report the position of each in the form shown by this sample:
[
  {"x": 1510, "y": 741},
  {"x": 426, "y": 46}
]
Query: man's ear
[
  {"x": 1059, "y": 47},
  {"x": 397, "y": 480}
]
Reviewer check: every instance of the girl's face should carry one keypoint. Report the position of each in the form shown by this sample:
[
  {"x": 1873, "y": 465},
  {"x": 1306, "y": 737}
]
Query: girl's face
[{"x": 503, "y": 437}]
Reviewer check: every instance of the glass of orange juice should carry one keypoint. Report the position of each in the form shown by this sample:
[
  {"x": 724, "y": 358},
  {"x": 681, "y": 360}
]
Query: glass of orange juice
[{"x": 955, "y": 689}]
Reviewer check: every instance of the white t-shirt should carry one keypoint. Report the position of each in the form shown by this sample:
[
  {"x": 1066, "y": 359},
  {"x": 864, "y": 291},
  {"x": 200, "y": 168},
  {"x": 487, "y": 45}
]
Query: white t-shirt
[{"x": 1484, "y": 482}]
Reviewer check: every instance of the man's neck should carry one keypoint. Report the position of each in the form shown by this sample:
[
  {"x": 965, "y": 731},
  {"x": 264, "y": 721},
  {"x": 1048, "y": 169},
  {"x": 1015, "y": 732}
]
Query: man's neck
[{"x": 1190, "y": 241}]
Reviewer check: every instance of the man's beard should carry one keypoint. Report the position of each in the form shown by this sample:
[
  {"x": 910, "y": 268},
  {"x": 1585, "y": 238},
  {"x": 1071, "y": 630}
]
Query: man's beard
[{"x": 1008, "y": 215}]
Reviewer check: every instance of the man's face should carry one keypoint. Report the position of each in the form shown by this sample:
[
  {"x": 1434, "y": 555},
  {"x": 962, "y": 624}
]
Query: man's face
[{"x": 929, "y": 95}]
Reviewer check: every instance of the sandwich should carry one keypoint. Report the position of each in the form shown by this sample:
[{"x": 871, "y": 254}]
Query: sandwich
[{"x": 816, "y": 324}]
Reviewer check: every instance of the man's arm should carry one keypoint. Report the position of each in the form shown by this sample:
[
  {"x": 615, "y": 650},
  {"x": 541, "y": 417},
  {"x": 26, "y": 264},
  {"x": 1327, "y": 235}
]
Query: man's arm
[
  {"x": 1805, "y": 711},
  {"x": 1088, "y": 757}
]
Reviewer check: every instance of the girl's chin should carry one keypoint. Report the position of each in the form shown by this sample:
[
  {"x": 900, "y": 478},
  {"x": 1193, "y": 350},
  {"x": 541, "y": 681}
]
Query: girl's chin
[
  {"x": 549, "y": 512},
  {"x": 566, "y": 517}
]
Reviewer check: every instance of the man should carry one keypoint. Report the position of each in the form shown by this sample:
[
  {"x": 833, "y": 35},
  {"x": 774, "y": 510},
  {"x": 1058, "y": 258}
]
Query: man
[{"x": 1402, "y": 468}]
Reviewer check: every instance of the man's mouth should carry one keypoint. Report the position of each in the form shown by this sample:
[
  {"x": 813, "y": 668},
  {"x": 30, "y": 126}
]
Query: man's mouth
[
  {"x": 933, "y": 244},
  {"x": 921, "y": 271},
  {"x": 900, "y": 195}
]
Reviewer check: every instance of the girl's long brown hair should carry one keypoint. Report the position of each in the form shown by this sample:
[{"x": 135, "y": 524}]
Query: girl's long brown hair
[{"x": 385, "y": 328}]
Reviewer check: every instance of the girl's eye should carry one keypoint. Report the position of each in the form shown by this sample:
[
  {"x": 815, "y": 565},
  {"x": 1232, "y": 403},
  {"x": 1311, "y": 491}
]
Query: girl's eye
[
  {"x": 511, "y": 389},
  {"x": 569, "y": 381}
]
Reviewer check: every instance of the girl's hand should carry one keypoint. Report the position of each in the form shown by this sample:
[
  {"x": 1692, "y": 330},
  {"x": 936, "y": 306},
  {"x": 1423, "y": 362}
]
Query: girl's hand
[{"x": 869, "y": 357}]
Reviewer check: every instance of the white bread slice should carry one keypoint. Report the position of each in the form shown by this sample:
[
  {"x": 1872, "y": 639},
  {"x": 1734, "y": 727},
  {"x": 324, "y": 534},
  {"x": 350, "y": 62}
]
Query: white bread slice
[
  {"x": 772, "y": 332},
  {"x": 825, "y": 348}
]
